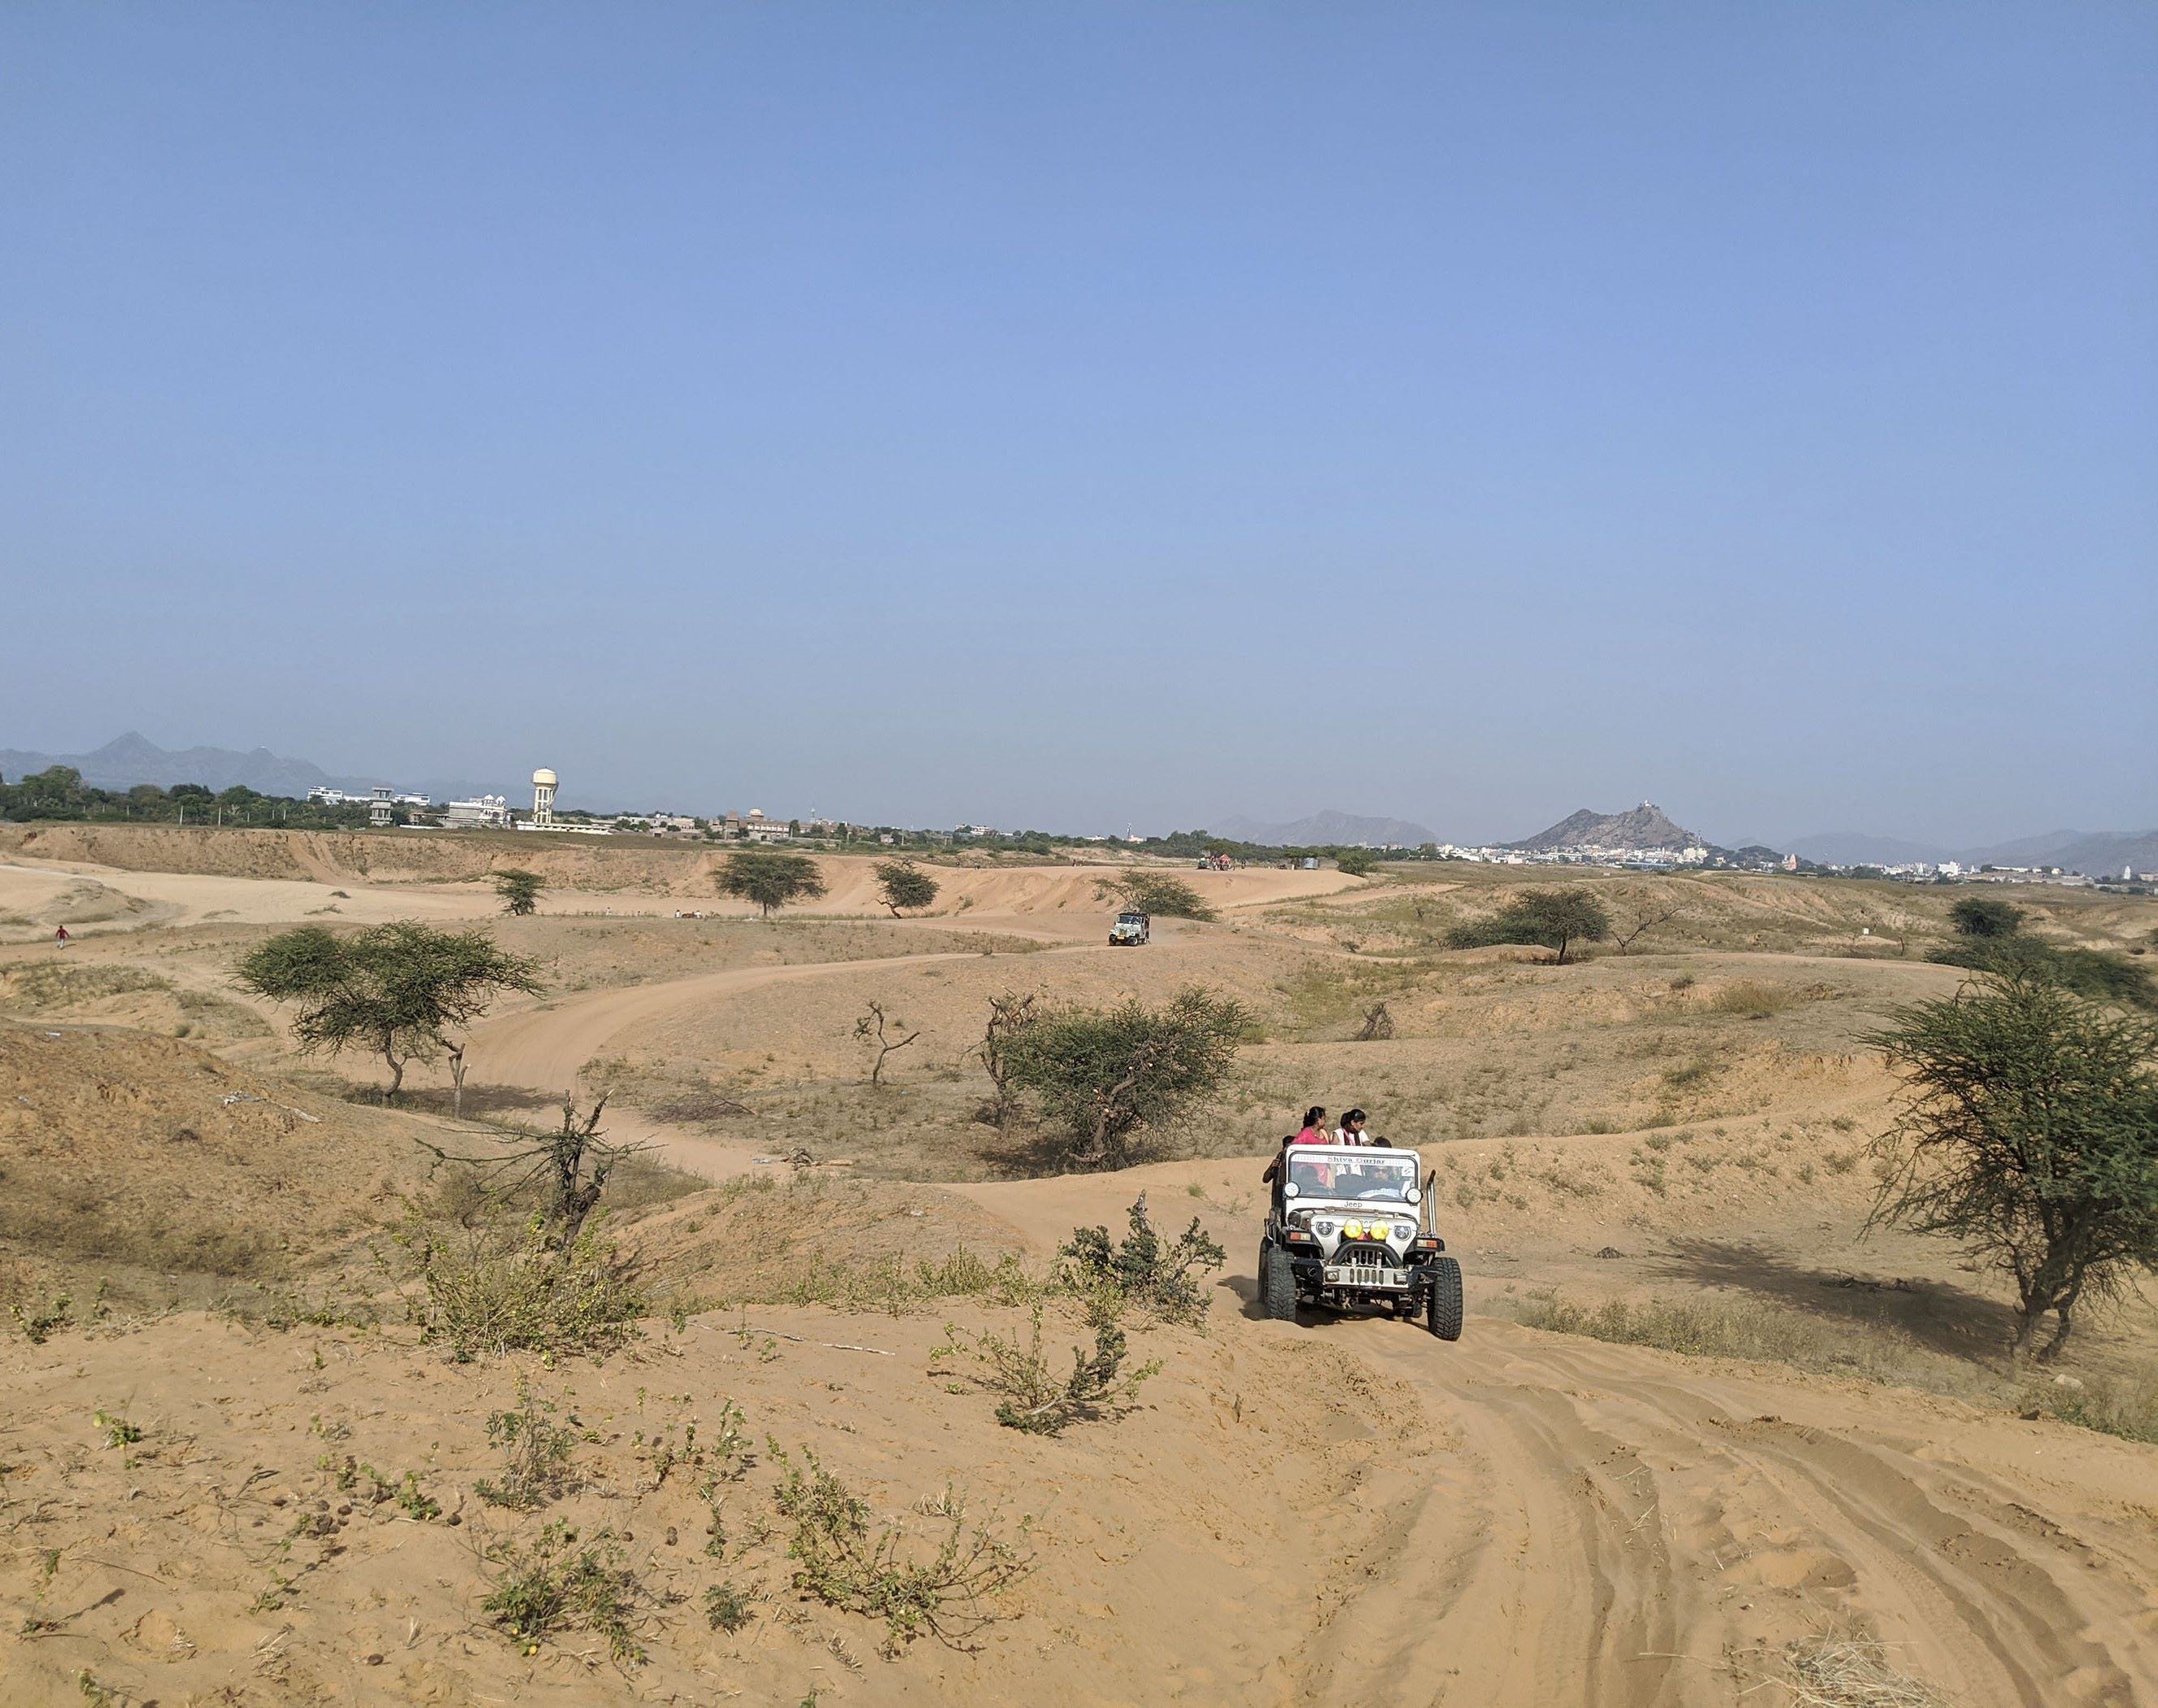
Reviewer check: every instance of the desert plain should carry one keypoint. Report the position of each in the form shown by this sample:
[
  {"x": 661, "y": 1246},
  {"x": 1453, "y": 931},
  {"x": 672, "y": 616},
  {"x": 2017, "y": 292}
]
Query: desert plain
[{"x": 234, "y": 1471}]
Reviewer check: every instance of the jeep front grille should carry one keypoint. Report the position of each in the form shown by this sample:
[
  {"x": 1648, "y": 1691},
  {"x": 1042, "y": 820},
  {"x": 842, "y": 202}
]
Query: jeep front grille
[{"x": 1364, "y": 1254}]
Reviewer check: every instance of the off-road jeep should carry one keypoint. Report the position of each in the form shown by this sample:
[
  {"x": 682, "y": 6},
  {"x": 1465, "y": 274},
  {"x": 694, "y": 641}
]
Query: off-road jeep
[
  {"x": 1352, "y": 1228},
  {"x": 1132, "y": 928}
]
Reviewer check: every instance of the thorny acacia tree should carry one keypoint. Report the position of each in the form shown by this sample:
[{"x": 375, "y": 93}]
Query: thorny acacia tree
[
  {"x": 401, "y": 991},
  {"x": 519, "y": 889},
  {"x": 2029, "y": 1131},
  {"x": 1155, "y": 892},
  {"x": 1556, "y": 918},
  {"x": 1105, "y": 1076},
  {"x": 770, "y": 880},
  {"x": 903, "y": 884}
]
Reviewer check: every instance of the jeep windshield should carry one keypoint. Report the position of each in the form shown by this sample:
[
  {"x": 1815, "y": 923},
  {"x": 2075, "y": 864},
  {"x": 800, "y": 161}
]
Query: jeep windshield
[{"x": 1380, "y": 1176}]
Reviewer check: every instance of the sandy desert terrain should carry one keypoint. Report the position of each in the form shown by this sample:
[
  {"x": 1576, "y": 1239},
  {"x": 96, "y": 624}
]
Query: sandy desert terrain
[{"x": 234, "y": 1473}]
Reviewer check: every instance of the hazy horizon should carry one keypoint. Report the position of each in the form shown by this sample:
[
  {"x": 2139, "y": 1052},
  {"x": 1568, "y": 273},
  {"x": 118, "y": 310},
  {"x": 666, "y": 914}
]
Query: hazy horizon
[{"x": 1100, "y": 417}]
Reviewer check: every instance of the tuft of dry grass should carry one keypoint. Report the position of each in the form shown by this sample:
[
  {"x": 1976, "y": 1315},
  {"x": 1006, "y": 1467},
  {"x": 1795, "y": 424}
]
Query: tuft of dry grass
[
  {"x": 1749, "y": 999},
  {"x": 1838, "y": 1669}
]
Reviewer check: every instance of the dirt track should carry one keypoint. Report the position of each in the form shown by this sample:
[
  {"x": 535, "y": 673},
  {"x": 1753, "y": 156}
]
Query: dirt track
[
  {"x": 1615, "y": 1525},
  {"x": 1608, "y": 1525}
]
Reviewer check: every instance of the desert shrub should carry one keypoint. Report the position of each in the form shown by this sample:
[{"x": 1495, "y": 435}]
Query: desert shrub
[
  {"x": 116, "y": 1430},
  {"x": 1038, "y": 1401},
  {"x": 1153, "y": 892},
  {"x": 1557, "y": 919},
  {"x": 2029, "y": 1133},
  {"x": 2091, "y": 974},
  {"x": 1158, "y": 1278},
  {"x": 1749, "y": 999},
  {"x": 726, "y": 1609},
  {"x": 1985, "y": 916},
  {"x": 1356, "y": 862},
  {"x": 497, "y": 1289},
  {"x": 1105, "y": 1074},
  {"x": 840, "y": 1561},
  {"x": 556, "y": 1582},
  {"x": 535, "y": 1455}
]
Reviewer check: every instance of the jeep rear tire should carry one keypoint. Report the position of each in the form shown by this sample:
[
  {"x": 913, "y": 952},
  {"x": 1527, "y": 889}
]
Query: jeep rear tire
[
  {"x": 1442, "y": 1302},
  {"x": 1278, "y": 1284}
]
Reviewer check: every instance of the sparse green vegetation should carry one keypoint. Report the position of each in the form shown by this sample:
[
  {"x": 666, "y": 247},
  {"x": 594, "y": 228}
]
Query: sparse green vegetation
[
  {"x": 535, "y": 1451},
  {"x": 726, "y": 1609},
  {"x": 557, "y": 1582},
  {"x": 1105, "y": 1075},
  {"x": 1038, "y": 1401},
  {"x": 402, "y": 991},
  {"x": 496, "y": 1288},
  {"x": 842, "y": 1563},
  {"x": 1141, "y": 1270}
]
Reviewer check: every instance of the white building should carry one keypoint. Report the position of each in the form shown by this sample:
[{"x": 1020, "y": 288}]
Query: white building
[{"x": 481, "y": 812}]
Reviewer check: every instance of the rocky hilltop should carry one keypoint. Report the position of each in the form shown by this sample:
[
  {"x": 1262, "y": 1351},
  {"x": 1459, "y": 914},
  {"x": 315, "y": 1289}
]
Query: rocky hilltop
[{"x": 1644, "y": 826}]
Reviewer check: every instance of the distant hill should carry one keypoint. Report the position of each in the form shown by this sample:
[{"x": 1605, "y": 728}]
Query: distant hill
[
  {"x": 1857, "y": 848},
  {"x": 135, "y": 758},
  {"x": 2095, "y": 853},
  {"x": 1326, "y": 829},
  {"x": 1644, "y": 827}
]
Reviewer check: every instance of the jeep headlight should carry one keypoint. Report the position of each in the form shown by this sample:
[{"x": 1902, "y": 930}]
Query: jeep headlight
[
  {"x": 1322, "y": 1228},
  {"x": 1352, "y": 1230},
  {"x": 1404, "y": 1230}
]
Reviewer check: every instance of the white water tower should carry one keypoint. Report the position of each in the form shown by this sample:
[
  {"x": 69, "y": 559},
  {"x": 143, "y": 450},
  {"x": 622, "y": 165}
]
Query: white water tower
[{"x": 543, "y": 796}]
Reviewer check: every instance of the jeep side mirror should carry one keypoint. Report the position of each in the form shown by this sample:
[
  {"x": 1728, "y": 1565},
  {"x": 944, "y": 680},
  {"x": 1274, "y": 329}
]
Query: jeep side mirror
[
  {"x": 1288, "y": 1189},
  {"x": 1413, "y": 1196}
]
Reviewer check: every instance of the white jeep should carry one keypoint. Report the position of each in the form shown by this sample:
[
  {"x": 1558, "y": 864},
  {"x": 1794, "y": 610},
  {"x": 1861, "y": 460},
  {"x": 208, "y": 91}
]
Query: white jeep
[{"x": 1351, "y": 1228}]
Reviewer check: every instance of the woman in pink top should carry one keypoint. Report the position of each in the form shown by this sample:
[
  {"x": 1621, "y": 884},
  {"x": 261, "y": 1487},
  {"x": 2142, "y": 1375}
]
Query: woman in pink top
[{"x": 1314, "y": 1133}]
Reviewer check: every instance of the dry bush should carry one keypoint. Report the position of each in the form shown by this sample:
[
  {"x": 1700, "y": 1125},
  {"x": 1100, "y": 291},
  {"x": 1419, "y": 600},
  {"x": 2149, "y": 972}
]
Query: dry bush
[
  {"x": 1143, "y": 1271},
  {"x": 498, "y": 1288},
  {"x": 553, "y": 1583},
  {"x": 1036, "y": 1399},
  {"x": 949, "y": 1596},
  {"x": 535, "y": 1454},
  {"x": 1750, "y": 999}
]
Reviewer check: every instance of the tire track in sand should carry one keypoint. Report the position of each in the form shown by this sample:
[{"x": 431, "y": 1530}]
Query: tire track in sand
[{"x": 1621, "y": 1529}]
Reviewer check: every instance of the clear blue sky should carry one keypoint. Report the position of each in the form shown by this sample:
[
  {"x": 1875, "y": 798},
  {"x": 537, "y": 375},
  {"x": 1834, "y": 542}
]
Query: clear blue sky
[{"x": 1084, "y": 415}]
